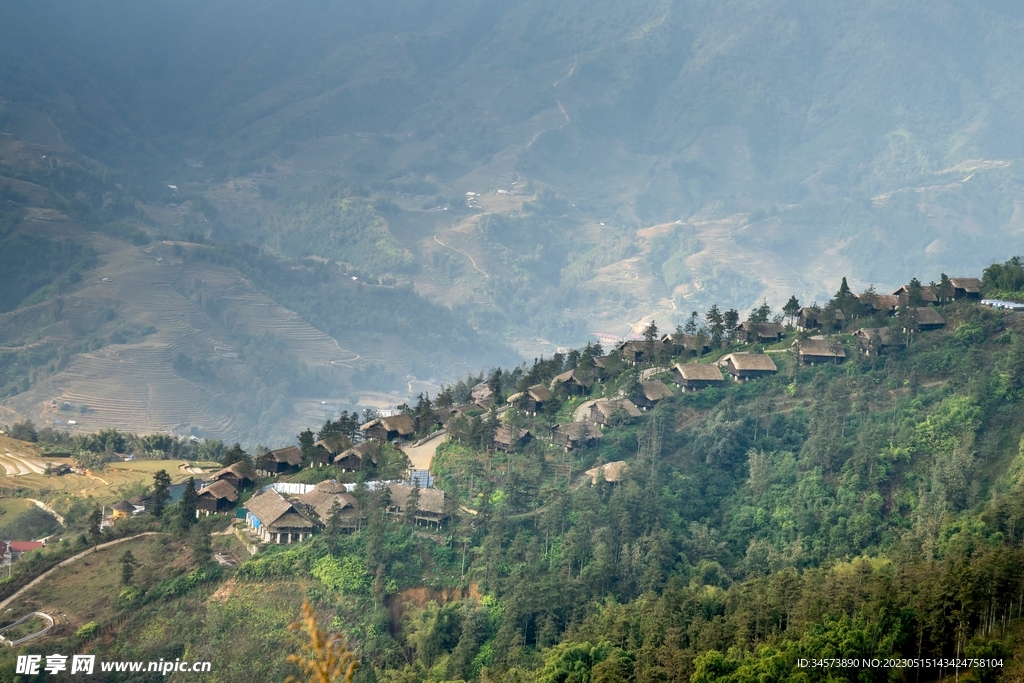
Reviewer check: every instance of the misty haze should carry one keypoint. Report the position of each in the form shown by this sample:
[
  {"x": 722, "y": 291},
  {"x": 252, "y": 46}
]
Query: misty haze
[{"x": 564, "y": 342}]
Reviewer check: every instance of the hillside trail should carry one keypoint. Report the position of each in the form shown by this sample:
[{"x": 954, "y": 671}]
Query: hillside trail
[{"x": 71, "y": 560}]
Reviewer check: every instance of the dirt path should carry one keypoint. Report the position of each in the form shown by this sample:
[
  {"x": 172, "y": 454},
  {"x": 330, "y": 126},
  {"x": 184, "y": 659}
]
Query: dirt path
[
  {"x": 459, "y": 251},
  {"x": 43, "y": 506},
  {"x": 423, "y": 455},
  {"x": 69, "y": 561}
]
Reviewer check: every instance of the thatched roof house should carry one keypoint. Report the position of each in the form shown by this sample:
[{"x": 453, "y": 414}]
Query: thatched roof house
[
  {"x": 508, "y": 439},
  {"x": 878, "y": 303},
  {"x": 745, "y": 366},
  {"x": 966, "y": 287},
  {"x": 275, "y": 520},
  {"x": 926, "y": 294},
  {"x": 432, "y": 508},
  {"x": 575, "y": 381},
  {"x": 818, "y": 351},
  {"x": 609, "y": 411},
  {"x": 696, "y": 376},
  {"x": 217, "y": 497},
  {"x": 281, "y": 460},
  {"x": 575, "y": 435},
  {"x": 762, "y": 333},
  {"x": 653, "y": 392},
  {"x": 322, "y": 498},
  {"x": 353, "y": 459},
  {"x": 875, "y": 341},
  {"x": 241, "y": 475},
  {"x": 532, "y": 400},
  {"x": 923, "y": 319},
  {"x": 389, "y": 428}
]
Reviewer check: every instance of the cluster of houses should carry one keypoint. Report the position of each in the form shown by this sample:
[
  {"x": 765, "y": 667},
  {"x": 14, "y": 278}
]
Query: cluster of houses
[
  {"x": 279, "y": 518},
  {"x": 292, "y": 512}
]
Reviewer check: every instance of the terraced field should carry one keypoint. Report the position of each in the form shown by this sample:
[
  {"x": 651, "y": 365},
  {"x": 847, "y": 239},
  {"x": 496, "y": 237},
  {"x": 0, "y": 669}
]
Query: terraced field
[{"x": 134, "y": 387}]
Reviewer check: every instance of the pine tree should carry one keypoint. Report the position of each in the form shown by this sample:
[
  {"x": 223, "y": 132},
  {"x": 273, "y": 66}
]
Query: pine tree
[
  {"x": 95, "y": 522},
  {"x": 730, "y": 319},
  {"x": 128, "y": 565},
  {"x": 306, "y": 441},
  {"x": 792, "y": 309},
  {"x": 202, "y": 545},
  {"x": 161, "y": 492},
  {"x": 412, "y": 504},
  {"x": 187, "y": 505},
  {"x": 715, "y": 323}
]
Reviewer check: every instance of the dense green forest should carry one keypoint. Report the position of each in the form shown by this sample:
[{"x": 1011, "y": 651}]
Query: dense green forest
[{"x": 869, "y": 509}]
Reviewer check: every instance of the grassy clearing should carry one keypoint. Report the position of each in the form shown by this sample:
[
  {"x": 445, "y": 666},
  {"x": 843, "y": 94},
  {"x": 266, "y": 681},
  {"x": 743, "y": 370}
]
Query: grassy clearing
[
  {"x": 88, "y": 589},
  {"x": 12, "y": 507}
]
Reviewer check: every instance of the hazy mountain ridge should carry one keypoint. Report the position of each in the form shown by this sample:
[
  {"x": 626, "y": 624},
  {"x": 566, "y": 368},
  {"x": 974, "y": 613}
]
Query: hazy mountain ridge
[{"x": 789, "y": 145}]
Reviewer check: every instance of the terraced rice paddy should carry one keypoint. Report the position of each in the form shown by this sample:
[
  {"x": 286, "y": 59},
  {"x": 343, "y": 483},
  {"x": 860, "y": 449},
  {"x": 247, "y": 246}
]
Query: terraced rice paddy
[{"x": 134, "y": 387}]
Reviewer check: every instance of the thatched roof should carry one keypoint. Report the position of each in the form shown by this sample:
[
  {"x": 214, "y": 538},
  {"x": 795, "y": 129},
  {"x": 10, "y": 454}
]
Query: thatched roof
[
  {"x": 656, "y": 391},
  {"x": 431, "y": 500},
  {"x": 220, "y": 489},
  {"x": 579, "y": 431},
  {"x": 366, "y": 448},
  {"x": 820, "y": 347},
  {"x": 503, "y": 435},
  {"x": 289, "y": 454},
  {"x": 481, "y": 392},
  {"x": 763, "y": 329},
  {"x": 971, "y": 285},
  {"x": 751, "y": 361},
  {"x": 608, "y": 407},
  {"x": 878, "y": 302},
  {"x": 401, "y": 423},
  {"x": 928, "y": 293},
  {"x": 323, "y": 501},
  {"x": 123, "y": 506},
  {"x": 324, "y": 445},
  {"x": 612, "y": 472},
  {"x": 539, "y": 392},
  {"x": 572, "y": 375},
  {"x": 273, "y": 509},
  {"x": 700, "y": 371},
  {"x": 928, "y": 316},
  {"x": 241, "y": 469},
  {"x": 877, "y": 336},
  {"x": 330, "y": 486}
]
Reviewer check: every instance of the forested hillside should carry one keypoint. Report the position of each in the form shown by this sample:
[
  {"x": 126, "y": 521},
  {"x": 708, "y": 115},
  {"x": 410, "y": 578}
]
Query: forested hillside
[
  {"x": 863, "y": 509},
  {"x": 791, "y": 143}
]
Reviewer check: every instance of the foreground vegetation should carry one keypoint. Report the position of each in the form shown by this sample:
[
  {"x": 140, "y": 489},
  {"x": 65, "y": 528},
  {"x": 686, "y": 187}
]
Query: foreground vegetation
[{"x": 866, "y": 510}]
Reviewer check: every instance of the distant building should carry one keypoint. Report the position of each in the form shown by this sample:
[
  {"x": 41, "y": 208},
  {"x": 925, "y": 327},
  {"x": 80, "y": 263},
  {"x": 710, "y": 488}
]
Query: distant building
[
  {"x": 508, "y": 439},
  {"x": 876, "y": 341},
  {"x": 281, "y": 461},
  {"x": 761, "y": 333},
  {"x": 389, "y": 428},
  {"x": 275, "y": 520},
  {"x": 532, "y": 400},
  {"x": 819, "y": 351},
  {"x": 240, "y": 475},
  {"x": 999, "y": 304},
  {"x": 652, "y": 393},
  {"x": 433, "y": 507},
  {"x": 353, "y": 459},
  {"x": 575, "y": 435},
  {"x": 747, "y": 366},
  {"x": 966, "y": 287},
  {"x": 220, "y": 496},
  {"x": 697, "y": 376},
  {"x": 607, "y": 411}
]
